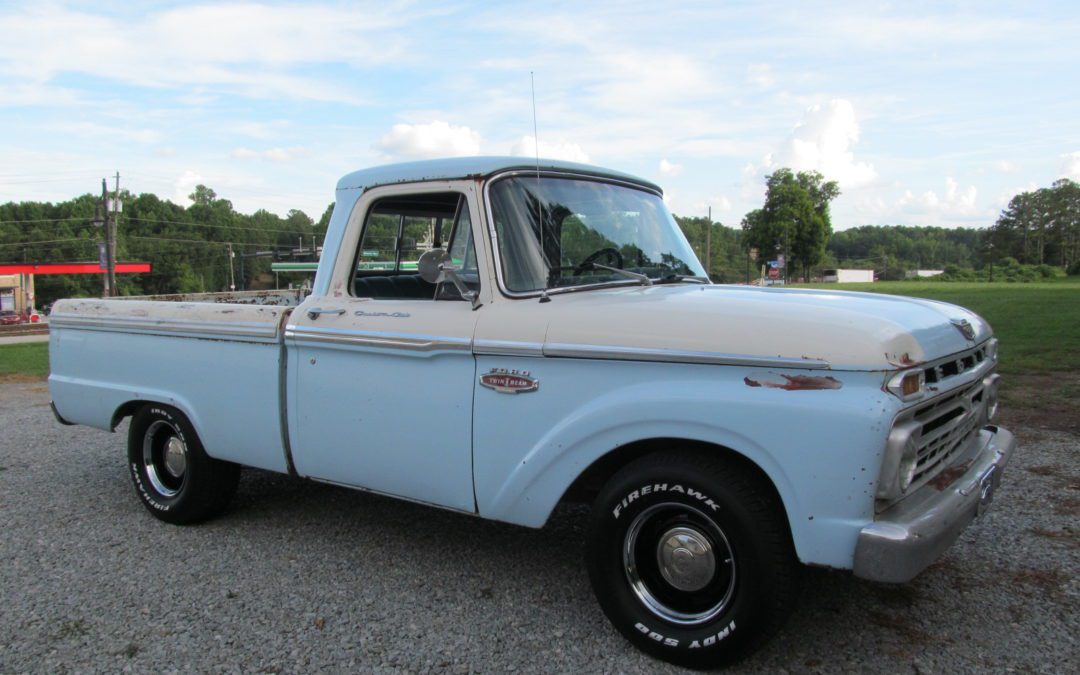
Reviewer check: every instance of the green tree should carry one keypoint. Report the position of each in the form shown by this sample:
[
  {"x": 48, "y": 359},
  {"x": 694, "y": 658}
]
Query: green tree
[{"x": 795, "y": 218}]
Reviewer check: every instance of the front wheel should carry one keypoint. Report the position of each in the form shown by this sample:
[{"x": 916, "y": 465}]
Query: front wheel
[
  {"x": 174, "y": 477},
  {"x": 691, "y": 559}
]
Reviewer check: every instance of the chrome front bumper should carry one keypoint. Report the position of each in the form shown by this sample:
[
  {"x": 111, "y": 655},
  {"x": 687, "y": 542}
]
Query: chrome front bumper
[{"x": 905, "y": 538}]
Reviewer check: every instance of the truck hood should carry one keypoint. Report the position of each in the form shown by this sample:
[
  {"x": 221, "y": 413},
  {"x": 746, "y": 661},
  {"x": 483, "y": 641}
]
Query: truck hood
[{"x": 847, "y": 330}]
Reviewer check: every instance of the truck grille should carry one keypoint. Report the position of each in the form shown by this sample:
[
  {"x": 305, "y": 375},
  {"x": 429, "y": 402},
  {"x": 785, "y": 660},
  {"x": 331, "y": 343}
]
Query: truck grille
[
  {"x": 944, "y": 370},
  {"x": 946, "y": 426}
]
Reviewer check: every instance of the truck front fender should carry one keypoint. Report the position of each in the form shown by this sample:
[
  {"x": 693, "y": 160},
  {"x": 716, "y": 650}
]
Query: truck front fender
[{"x": 829, "y": 440}]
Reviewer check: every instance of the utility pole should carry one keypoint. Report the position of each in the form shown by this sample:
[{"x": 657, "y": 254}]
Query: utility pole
[
  {"x": 232, "y": 279},
  {"x": 107, "y": 290},
  {"x": 708, "y": 246},
  {"x": 112, "y": 222}
]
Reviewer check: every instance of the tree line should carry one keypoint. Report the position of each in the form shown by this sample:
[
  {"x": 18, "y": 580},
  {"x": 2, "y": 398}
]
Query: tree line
[
  {"x": 1040, "y": 228},
  {"x": 189, "y": 245}
]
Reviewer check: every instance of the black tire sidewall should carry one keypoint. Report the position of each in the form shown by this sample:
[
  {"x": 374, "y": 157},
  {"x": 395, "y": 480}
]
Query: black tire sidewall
[
  {"x": 169, "y": 508},
  {"x": 722, "y": 638}
]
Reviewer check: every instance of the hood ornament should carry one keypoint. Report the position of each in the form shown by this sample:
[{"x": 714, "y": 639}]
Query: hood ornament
[{"x": 965, "y": 328}]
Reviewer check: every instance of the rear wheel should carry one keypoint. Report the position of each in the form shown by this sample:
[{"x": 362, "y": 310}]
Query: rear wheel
[
  {"x": 691, "y": 559},
  {"x": 174, "y": 477}
]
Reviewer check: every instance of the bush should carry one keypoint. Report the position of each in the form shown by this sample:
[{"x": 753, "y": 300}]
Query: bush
[{"x": 1074, "y": 269}]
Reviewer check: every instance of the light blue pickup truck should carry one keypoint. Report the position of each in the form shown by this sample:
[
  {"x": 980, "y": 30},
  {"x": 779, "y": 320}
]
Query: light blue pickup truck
[{"x": 559, "y": 340}]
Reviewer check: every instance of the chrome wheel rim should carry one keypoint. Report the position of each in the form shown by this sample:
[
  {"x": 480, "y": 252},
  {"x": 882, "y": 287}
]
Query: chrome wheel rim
[
  {"x": 165, "y": 458},
  {"x": 679, "y": 564}
]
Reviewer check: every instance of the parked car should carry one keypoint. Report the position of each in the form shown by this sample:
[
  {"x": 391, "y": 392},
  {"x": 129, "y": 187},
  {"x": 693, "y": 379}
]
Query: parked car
[
  {"x": 494, "y": 337},
  {"x": 9, "y": 318}
]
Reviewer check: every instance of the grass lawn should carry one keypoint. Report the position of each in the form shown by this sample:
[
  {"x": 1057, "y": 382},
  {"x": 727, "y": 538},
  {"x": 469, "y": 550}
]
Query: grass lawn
[{"x": 25, "y": 360}]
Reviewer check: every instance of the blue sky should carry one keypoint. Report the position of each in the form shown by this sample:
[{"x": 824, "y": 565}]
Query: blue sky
[{"x": 926, "y": 113}]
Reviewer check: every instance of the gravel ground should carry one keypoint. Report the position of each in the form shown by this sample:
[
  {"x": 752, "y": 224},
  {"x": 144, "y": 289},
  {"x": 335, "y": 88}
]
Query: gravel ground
[{"x": 300, "y": 577}]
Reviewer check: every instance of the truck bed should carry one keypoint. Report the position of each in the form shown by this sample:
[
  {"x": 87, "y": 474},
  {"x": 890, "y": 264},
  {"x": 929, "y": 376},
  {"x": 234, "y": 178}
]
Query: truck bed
[{"x": 218, "y": 357}]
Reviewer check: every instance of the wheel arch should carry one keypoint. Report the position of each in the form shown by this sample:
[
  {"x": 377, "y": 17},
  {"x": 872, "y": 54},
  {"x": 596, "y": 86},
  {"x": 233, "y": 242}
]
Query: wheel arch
[
  {"x": 130, "y": 407},
  {"x": 591, "y": 480}
]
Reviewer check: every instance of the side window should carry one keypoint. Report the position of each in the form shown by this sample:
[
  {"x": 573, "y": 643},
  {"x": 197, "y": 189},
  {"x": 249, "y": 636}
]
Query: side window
[
  {"x": 461, "y": 247},
  {"x": 397, "y": 231},
  {"x": 463, "y": 254}
]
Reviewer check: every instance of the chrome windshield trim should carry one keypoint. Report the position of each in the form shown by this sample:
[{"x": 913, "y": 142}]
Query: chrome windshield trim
[
  {"x": 214, "y": 329},
  {"x": 580, "y": 351},
  {"x": 497, "y": 254},
  {"x": 364, "y": 338}
]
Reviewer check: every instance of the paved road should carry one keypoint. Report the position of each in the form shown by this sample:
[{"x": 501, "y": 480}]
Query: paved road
[
  {"x": 18, "y": 339},
  {"x": 300, "y": 576}
]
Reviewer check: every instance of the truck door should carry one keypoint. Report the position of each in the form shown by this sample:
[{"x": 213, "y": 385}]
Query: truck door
[{"x": 381, "y": 372}]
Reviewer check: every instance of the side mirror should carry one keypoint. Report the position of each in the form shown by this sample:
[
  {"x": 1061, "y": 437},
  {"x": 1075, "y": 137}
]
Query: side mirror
[
  {"x": 436, "y": 267},
  {"x": 431, "y": 264}
]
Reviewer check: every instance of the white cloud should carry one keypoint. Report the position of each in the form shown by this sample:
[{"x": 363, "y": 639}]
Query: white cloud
[
  {"x": 823, "y": 141},
  {"x": 185, "y": 185},
  {"x": 284, "y": 154},
  {"x": 246, "y": 48},
  {"x": 166, "y": 151},
  {"x": 719, "y": 203},
  {"x": 760, "y": 75},
  {"x": 953, "y": 203},
  {"x": 669, "y": 168},
  {"x": 571, "y": 152},
  {"x": 1005, "y": 166},
  {"x": 424, "y": 141},
  {"x": 243, "y": 153},
  {"x": 1070, "y": 165}
]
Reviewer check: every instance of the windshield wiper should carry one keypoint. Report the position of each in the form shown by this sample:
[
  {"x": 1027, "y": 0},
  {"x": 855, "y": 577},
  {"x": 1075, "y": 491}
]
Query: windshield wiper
[
  {"x": 645, "y": 281},
  {"x": 676, "y": 278}
]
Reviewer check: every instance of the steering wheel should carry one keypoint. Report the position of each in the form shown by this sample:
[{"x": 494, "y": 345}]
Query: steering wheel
[{"x": 612, "y": 253}]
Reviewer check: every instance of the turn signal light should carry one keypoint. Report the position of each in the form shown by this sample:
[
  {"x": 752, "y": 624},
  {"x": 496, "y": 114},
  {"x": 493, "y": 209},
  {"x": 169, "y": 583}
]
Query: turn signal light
[{"x": 908, "y": 384}]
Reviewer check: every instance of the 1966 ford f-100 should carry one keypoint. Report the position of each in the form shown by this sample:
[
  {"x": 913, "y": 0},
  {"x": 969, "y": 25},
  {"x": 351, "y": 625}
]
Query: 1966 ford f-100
[{"x": 493, "y": 337}]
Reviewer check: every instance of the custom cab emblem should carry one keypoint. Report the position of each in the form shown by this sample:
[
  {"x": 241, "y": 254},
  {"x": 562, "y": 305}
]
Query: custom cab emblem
[
  {"x": 965, "y": 328},
  {"x": 509, "y": 381}
]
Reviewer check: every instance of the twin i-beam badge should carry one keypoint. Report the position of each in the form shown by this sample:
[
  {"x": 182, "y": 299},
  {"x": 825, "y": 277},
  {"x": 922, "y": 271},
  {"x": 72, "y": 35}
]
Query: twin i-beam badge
[{"x": 509, "y": 381}]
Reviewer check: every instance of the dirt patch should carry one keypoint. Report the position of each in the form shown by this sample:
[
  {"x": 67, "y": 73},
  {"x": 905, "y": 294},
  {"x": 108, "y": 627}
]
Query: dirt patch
[
  {"x": 1064, "y": 536},
  {"x": 1046, "y": 470},
  {"x": 1048, "y": 401},
  {"x": 903, "y": 626},
  {"x": 1069, "y": 506},
  {"x": 21, "y": 378},
  {"x": 1047, "y": 581}
]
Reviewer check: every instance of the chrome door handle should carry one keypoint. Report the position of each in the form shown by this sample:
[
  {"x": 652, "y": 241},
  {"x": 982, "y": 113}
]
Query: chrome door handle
[{"x": 315, "y": 312}]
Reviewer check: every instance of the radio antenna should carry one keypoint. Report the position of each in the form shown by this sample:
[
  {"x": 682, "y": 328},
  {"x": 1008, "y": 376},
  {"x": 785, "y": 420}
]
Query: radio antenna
[{"x": 539, "y": 200}]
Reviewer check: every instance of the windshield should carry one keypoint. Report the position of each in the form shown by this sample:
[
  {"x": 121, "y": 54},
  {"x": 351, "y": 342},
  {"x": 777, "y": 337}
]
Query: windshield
[{"x": 588, "y": 227}]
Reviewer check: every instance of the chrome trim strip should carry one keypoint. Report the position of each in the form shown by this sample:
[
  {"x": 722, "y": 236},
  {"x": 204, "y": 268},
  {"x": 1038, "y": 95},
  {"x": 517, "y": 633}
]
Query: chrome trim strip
[
  {"x": 578, "y": 351},
  {"x": 366, "y": 338},
  {"x": 497, "y": 255},
  {"x": 214, "y": 329},
  {"x": 507, "y": 348}
]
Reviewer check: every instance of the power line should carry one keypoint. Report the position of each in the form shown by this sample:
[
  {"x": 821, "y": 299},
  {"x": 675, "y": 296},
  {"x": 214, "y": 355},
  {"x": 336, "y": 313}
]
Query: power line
[
  {"x": 227, "y": 227},
  {"x": 210, "y": 243},
  {"x": 46, "y": 241},
  {"x": 44, "y": 220}
]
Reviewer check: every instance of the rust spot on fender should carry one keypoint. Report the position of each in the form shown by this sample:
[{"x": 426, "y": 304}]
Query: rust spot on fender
[
  {"x": 902, "y": 360},
  {"x": 795, "y": 382}
]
